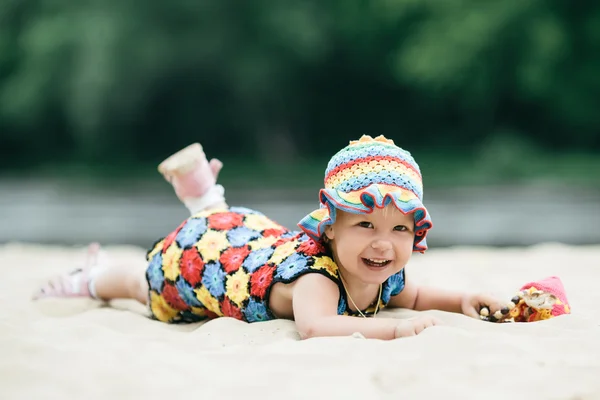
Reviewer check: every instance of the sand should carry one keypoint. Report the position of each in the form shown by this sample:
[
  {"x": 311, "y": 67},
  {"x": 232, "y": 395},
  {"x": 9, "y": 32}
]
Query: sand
[{"x": 83, "y": 350}]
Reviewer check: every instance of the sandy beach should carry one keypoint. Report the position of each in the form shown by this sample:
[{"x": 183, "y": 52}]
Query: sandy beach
[{"x": 80, "y": 349}]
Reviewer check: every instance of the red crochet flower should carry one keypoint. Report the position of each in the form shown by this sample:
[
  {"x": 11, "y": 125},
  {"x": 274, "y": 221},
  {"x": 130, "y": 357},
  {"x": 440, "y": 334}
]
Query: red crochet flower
[
  {"x": 273, "y": 232},
  {"x": 232, "y": 258},
  {"x": 225, "y": 221},
  {"x": 230, "y": 310},
  {"x": 280, "y": 242},
  {"x": 171, "y": 295},
  {"x": 311, "y": 248},
  {"x": 260, "y": 280},
  {"x": 192, "y": 266}
]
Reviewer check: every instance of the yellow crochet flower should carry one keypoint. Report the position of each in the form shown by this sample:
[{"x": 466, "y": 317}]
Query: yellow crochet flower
[
  {"x": 211, "y": 304},
  {"x": 262, "y": 242},
  {"x": 327, "y": 264},
  {"x": 259, "y": 223},
  {"x": 157, "y": 248},
  {"x": 171, "y": 261},
  {"x": 237, "y": 287},
  {"x": 211, "y": 245},
  {"x": 199, "y": 311},
  {"x": 283, "y": 251},
  {"x": 161, "y": 310}
]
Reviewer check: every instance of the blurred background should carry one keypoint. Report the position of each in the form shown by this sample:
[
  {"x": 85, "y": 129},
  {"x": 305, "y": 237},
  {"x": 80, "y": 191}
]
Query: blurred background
[{"x": 497, "y": 101}]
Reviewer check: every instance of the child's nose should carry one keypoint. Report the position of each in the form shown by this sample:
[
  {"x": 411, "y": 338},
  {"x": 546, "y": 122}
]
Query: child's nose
[{"x": 381, "y": 244}]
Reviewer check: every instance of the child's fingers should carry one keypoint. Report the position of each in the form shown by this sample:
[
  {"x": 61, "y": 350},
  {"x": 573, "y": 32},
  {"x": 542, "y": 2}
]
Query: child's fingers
[
  {"x": 415, "y": 326},
  {"x": 423, "y": 324},
  {"x": 471, "y": 312},
  {"x": 493, "y": 304},
  {"x": 404, "y": 329},
  {"x": 494, "y": 310}
]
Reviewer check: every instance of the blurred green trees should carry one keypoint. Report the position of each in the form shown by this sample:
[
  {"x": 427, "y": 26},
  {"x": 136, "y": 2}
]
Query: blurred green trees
[{"x": 135, "y": 80}]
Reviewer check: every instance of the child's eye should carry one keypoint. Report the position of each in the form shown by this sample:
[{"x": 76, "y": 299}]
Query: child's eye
[
  {"x": 400, "y": 228},
  {"x": 365, "y": 224}
]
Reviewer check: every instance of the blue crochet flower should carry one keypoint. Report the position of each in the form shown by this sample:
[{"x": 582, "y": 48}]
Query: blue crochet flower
[
  {"x": 392, "y": 286},
  {"x": 257, "y": 259},
  {"x": 241, "y": 235},
  {"x": 214, "y": 279},
  {"x": 187, "y": 293},
  {"x": 256, "y": 311},
  {"x": 303, "y": 238},
  {"x": 289, "y": 234},
  {"x": 155, "y": 274},
  {"x": 341, "y": 306},
  {"x": 291, "y": 266},
  {"x": 190, "y": 233}
]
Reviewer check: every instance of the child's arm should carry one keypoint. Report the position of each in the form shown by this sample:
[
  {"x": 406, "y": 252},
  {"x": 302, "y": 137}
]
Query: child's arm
[
  {"x": 315, "y": 301},
  {"x": 421, "y": 298}
]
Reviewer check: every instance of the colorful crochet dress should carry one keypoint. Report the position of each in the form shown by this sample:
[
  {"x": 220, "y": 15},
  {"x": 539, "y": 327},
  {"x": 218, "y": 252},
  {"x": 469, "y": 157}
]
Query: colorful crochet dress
[{"x": 225, "y": 262}]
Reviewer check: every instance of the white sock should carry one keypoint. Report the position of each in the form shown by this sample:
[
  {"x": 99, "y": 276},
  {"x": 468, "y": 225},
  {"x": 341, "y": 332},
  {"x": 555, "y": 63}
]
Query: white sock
[
  {"x": 213, "y": 196},
  {"x": 92, "y": 288},
  {"x": 93, "y": 274}
]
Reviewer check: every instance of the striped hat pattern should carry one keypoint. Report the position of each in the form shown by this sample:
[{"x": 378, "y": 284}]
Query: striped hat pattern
[{"x": 369, "y": 173}]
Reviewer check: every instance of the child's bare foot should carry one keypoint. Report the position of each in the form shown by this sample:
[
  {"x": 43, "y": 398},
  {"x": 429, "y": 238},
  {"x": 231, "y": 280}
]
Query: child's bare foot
[
  {"x": 77, "y": 282},
  {"x": 193, "y": 177}
]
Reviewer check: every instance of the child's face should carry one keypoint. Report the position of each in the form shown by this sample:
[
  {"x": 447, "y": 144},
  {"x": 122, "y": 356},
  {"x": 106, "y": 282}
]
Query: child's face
[{"x": 372, "y": 247}]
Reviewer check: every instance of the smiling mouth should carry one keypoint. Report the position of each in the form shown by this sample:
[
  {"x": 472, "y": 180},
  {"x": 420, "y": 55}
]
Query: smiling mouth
[{"x": 376, "y": 263}]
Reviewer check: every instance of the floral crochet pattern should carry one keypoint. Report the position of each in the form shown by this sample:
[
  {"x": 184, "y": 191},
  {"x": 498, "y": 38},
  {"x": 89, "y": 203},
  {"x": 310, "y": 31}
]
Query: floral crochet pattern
[{"x": 225, "y": 262}]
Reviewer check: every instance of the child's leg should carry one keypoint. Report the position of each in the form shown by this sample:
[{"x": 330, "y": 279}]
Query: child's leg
[
  {"x": 194, "y": 179},
  {"x": 122, "y": 282},
  {"x": 100, "y": 280}
]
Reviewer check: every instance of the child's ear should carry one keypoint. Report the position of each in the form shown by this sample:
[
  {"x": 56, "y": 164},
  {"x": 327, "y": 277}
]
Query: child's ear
[{"x": 329, "y": 233}]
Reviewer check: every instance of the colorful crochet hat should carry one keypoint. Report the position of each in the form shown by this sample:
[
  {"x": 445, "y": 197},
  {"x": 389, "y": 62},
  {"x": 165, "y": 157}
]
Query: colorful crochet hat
[{"x": 370, "y": 173}]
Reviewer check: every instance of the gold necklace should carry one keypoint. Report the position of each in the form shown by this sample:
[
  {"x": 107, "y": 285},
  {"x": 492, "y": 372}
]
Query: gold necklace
[{"x": 352, "y": 301}]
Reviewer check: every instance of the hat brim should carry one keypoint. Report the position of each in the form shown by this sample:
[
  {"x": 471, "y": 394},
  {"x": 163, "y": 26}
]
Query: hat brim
[{"x": 364, "y": 201}]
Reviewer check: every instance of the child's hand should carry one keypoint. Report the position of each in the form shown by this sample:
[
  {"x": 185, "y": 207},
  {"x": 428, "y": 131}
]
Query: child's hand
[
  {"x": 472, "y": 304},
  {"x": 414, "y": 326}
]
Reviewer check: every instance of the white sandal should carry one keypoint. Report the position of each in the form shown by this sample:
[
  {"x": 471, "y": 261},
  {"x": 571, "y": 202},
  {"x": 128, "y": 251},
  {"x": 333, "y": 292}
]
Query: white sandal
[{"x": 75, "y": 283}]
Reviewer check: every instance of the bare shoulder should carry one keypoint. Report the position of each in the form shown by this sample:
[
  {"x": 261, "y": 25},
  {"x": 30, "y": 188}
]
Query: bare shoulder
[
  {"x": 280, "y": 299},
  {"x": 315, "y": 294},
  {"x": 304, "y": 292}
]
